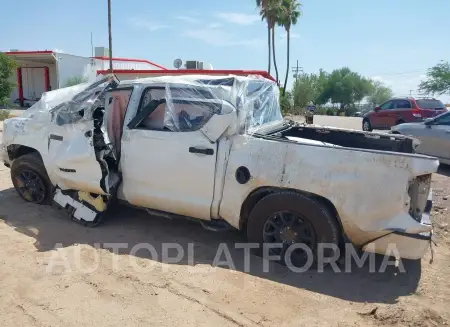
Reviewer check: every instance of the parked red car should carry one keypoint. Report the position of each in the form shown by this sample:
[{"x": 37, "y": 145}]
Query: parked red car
[{"x": 401, "y": 110}]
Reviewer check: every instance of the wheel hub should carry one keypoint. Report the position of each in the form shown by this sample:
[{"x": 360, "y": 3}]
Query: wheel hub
[
  {"x": 288, "y": 235},
  {"x": 30, "y": 186},
  {"x": 288, "y": 228}
]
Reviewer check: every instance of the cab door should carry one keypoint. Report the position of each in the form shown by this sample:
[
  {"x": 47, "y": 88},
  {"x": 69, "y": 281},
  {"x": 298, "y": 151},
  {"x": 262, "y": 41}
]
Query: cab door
[
  {"x": 399, "y": 112},
  {"x": 436, "y": 137},
  {"x": 168, "y": 163},
  {"x": 380, "y": 119}
]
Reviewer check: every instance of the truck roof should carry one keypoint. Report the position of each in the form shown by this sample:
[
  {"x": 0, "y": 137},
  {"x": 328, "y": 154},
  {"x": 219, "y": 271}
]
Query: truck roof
[{"x": 226, "y": 80}]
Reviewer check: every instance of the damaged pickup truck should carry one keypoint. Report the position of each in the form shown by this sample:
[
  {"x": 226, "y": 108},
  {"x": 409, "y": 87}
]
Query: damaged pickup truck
[{"x": 216, "y": 148}]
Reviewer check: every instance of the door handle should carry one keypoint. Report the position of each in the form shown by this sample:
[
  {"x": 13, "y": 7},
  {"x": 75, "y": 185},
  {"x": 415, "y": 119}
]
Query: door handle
[{"x": 208, "y": 152}]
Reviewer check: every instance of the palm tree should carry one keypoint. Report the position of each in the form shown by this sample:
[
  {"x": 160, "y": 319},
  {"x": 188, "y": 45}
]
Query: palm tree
[
  {"x": 272, "y": 13},
  {"x": 275, "y": 13},
  {"x": 289, "y": 16},
  {"x": 262, "y": 4}
]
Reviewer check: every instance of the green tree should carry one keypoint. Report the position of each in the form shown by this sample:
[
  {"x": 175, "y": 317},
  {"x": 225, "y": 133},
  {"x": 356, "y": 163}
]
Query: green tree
[
  {"x": 289, "y": 16},
  {"x": 285, "y": 102},
  {"x": 309, "y": 88},
  {"x": 7, "y": 66},
  {"x": 438, "y": 79},
  {"x": 380, "y": 93},
  {"x": 345, "y": 87},
  {"x": 271, "y": 12}
]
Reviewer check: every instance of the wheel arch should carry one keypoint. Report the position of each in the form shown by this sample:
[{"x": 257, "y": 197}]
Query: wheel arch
[
  {"x": 258, "y": 194},
  {"x": 17, "y": 150},
  {"x": 28, "y": 158}
]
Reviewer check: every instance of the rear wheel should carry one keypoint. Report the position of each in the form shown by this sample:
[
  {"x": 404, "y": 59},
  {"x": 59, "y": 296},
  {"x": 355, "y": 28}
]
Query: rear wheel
[
  {"x": 296, "y": 224},
  {"x": 30, "y": 179},
  {"x": 366, "y": 126}
]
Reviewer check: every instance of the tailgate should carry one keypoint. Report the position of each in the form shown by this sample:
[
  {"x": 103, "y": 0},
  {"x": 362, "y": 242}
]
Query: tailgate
[{"x": 431, "y": 107}]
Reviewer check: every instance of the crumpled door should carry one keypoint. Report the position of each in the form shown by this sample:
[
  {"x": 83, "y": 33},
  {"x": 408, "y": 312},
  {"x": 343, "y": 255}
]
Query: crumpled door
[{"x": 78, "y": 143}]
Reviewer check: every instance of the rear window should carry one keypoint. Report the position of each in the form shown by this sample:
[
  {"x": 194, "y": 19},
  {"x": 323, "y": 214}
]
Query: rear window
[{"x": 430, "y": 104}]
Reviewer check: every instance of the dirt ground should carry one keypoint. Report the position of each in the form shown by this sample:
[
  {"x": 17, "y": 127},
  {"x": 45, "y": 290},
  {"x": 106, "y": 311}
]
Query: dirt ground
[
  {"x": 91, "y": 284},
  {"x": 140, "y": 290}
]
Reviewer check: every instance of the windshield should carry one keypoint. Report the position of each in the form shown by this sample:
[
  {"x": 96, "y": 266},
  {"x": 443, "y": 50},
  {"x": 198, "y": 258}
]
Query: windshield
[
  {"x": 430, "y": 104},
  {"x": 264, "y": 106}
]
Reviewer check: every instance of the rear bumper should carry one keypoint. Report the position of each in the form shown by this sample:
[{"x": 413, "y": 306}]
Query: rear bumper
[{"x": 405, "y": 245}]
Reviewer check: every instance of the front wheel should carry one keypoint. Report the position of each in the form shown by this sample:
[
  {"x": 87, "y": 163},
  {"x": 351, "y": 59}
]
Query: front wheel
[
  {"x": 30, "y": 179},
  {"x": 294, "y": 226},
  {"x": 366, "y": 126}
]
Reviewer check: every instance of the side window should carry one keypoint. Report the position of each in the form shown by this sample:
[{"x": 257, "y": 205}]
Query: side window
[
  {"x": 181, "y": 110},
  {"x": 155, "y": 120},
  {"x": 402, "y": 104},
  {"x": 386, "y": 106}
]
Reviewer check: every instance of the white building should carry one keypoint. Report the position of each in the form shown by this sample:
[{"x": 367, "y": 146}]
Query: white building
[{"x": 41, "y": 71}]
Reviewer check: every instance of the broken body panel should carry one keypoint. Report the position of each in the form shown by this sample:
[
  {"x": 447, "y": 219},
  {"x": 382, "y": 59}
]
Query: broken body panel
[
  {"x": 177, "y": 144},
  {"x": 65, "y": 127}
]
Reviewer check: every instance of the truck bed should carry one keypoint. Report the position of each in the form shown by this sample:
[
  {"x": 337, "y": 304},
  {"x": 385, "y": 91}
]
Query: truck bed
[{"x": 351, "y": 138}]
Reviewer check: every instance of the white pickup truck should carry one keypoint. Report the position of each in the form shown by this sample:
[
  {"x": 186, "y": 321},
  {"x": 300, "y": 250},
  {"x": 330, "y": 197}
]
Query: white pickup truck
[{"x": 216, "y": 148}]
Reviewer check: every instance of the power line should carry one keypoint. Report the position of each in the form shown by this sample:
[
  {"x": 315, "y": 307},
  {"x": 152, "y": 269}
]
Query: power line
[
  {"x": 383, "y": 74},
  {"x": 402, "y": 73},
  {"x": 296, "y": 69}
]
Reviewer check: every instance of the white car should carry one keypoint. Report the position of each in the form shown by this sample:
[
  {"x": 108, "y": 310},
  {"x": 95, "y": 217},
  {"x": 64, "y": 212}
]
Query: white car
[
  {"x": 217, "y": 149},
  {"x": 433, "y": 135}
]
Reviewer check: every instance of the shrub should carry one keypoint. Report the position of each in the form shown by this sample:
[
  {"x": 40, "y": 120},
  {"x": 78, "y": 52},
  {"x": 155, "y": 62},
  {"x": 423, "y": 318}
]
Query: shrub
[
  {"x": 320, "y": 111},
  {"x": 4, "y": 114},
  {"x": 75, "y": 80},
  {"x": 7, "y": 66}
]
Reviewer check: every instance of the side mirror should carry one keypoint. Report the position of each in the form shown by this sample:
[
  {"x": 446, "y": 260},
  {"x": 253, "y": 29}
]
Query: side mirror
[
  {"x": 377, "y": 109},
  {"x": 219, "y": 123}
]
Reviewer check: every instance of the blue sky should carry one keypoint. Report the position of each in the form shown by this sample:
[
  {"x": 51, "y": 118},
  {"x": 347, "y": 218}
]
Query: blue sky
[{"x": 394, "y": 41}]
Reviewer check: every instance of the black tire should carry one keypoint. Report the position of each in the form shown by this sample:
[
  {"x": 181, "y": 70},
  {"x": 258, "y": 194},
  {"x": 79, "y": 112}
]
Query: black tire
[
  {"x": 366, "y": 125},
  {"x": 31, "y": 164},
  {"x": 401, "y": 121},
  {"x": 311, "y": 212}
]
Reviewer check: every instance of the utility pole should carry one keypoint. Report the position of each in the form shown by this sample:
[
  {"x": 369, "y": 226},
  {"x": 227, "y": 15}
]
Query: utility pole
[
  {"x": 92, "y": 53},
  {"x": 410, "y": 93},
  {"x": 296, "y": 70},
  {"x": 92, "y": 46},
  {"x": 110, "y": 37}
]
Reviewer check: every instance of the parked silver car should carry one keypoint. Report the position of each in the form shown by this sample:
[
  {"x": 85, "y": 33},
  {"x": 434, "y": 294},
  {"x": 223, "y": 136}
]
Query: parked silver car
[{"x": 433, "y": 134}]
